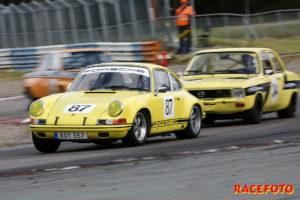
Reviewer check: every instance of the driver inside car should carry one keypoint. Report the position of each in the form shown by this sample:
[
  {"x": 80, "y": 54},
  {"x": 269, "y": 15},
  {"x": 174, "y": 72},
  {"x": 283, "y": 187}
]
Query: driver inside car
[{"x": 249, "y": 64}]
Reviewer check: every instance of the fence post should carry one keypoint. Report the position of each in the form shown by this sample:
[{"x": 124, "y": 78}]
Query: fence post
[
  {"x": 261, "y": 22},
  {"x": 151, "y": 20},
  {"x": 45, "y": 21},
  {"x": 34, "y": 18},
  {"x": 12, "y": 26},
  {"x": 3, "y": 31},
  {"x": 72, "y": 20},
  {"x": 23, "y": 24},
  {"x": 88, "y": 19},
  {"x": 279, "y": 19},
  {"x": 226, "y": 25},
  {"x": 193, "y": 27},
  {"x": 119, "y": 20},
  {"x": 59, "y": 20},
  {"x": 133, "y": 20},
  {"x": 103, "y": 20}
]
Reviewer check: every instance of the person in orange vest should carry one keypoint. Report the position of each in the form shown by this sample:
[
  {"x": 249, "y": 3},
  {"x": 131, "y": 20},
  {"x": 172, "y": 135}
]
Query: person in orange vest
[{"x": 183, "y": 22}]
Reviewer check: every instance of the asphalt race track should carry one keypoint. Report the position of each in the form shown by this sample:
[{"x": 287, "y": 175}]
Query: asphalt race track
[{"x": 17, "y": 160}]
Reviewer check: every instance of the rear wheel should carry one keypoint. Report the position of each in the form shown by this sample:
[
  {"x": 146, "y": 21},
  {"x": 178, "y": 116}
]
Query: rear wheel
[
  {"x": 45, "y": 145},
  {"x": 254, "y": 115},
  {"x": 137, "y": 135},
  {"x": 290, "y": 110},
  {"x": 194, "y": 126}
]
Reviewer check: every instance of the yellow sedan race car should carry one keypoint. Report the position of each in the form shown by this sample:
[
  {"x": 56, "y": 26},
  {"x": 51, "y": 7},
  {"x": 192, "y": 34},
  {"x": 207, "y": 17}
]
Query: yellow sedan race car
[
  {"x": 241, "y": 83},
  {"x": 108, "y": 102}
]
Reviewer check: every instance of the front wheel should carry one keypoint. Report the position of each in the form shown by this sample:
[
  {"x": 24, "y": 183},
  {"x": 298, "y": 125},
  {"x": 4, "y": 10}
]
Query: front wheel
[
  {"x": 137, "y": 135},
  {"x": 289, "y": 112},
  {"x": 194, "y": 126},
  {"x": 254, "y": 115},
  {"x": 45, "y": 145}
]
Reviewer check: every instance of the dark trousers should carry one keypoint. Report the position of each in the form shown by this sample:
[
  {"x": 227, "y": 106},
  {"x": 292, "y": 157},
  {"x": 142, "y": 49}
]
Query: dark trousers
[{"x": 185, "y": 41}]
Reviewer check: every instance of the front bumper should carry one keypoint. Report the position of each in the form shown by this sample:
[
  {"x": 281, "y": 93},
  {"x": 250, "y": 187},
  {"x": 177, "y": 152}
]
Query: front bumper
[
  {"x": 114, "y": 131},
  {"x": 228, "y": 105}
]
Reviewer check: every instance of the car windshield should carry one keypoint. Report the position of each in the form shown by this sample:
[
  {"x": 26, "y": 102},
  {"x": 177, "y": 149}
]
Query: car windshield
[
  {"x": 223, "y": 63},
  {"x": 112, "y": 78},
  {"x": 80, "y": 59}
]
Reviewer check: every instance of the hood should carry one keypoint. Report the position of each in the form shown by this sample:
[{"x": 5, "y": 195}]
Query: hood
[
  {"x": 92, "y": 106},
  {"x": 215, "y": 83}
]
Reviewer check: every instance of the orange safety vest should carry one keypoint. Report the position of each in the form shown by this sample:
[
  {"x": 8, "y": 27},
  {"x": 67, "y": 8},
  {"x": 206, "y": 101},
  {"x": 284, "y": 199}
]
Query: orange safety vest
[{"x": 183, "y": 15}]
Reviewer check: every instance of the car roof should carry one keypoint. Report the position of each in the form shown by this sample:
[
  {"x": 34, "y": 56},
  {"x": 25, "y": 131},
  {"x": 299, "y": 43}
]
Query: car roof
[
  {"x": 245, "y": 49},
  {"x": 77, "y": 50},
  {"x": 128, "y": 64}
]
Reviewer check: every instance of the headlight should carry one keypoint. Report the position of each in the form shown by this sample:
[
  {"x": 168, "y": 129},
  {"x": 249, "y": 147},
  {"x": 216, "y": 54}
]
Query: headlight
[
  {"x": 37, "y": 108},
  {"x": 115, "y": 108},
  {"x": 238, "y": 93}
]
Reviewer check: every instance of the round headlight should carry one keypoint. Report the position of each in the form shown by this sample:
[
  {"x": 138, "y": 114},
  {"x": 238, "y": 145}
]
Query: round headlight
[
  {"x": 37, "y": 108},
  {"x": 115, "y": 108},
  {"x": 238, "y": 93}
]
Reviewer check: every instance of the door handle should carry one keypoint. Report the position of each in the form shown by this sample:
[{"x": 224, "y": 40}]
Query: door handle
[{"x": 177, "y": 98}]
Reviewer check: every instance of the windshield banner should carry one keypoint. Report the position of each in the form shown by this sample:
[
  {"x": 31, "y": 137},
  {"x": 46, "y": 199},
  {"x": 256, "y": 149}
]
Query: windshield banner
[{"x": 134, "y": 70}]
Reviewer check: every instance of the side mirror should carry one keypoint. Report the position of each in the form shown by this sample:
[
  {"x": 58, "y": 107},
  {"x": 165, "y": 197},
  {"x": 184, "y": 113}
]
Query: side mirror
[
  {"x": 269, "y": 72},
  {"x": 162, "y": 89}
]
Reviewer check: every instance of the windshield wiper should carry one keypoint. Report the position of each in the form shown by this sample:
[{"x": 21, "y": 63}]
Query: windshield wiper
[
  {"x": 196, "y": 72},
  {"x": 115, "y": 87},
  {"x": 135, "y": 88},
  {"x": 96, "y": 88}
]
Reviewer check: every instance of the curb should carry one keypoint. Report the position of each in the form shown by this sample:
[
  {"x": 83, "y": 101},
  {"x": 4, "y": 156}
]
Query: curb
[
  {"x": 16, "y": 121},
  {"x": 16, "y": 98}
]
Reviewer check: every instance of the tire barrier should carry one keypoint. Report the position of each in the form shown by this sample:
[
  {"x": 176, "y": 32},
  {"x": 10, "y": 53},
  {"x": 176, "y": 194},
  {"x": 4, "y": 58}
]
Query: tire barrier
[{"x": 26, "y": 59}]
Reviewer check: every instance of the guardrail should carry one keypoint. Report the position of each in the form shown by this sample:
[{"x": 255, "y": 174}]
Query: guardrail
[{"x": 26, "y": 59}]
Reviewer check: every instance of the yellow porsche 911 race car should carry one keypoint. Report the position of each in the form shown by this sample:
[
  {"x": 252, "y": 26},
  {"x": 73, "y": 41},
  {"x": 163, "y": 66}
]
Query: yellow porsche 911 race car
[
  {"x": 241, "y": 83},
  {"x": 107, "y": 102}
]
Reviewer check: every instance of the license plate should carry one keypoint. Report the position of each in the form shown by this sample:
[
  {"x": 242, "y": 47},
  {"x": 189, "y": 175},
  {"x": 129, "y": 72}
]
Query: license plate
[{"x": 71, "y": 135}]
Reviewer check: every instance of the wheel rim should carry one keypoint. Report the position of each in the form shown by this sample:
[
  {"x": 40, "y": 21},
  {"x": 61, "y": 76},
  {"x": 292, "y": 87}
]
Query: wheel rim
[
  {"x": 195, "y": 119},
  {"x": 140, "y": 127}
]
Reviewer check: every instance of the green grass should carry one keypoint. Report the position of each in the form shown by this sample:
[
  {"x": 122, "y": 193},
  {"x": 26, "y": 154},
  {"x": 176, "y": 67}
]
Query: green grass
[
  {"x": 8, "y": 76},
  {"x": 283, "y": 46}
]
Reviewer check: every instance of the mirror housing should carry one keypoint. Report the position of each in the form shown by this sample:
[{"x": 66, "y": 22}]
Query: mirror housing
[
  {"x": 162, "y": 89},
  {"x": 269, "y": 72}
]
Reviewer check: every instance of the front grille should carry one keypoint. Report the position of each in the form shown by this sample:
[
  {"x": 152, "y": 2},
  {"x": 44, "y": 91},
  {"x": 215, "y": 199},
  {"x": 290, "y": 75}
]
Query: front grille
[{"x": 211, "y": 94}]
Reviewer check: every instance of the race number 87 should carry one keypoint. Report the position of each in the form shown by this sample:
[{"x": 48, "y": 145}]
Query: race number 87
[
  {"x": 79, "y": 108},
  {"x": 168, "y": 107}
]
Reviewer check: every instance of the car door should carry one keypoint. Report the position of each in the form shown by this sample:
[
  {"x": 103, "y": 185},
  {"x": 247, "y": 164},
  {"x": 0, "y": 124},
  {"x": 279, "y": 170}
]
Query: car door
[
  {"x": 280, "y": 77},
  {"x": 276, "y": 81},
  {"x": 165, "y": 104}
]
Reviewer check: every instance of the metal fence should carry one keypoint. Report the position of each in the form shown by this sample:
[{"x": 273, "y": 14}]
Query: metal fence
[{"x": 76, "y": 21}]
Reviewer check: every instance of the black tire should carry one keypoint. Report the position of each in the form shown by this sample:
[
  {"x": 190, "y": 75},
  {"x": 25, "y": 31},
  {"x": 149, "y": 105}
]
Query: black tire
[
  {"x": 289, "y": 112},
  {"x": 254, "y": 115},
  {"x": 194, "y": 126},
  {"x": 45, "y": 145},
  {"x": 105, "y": 141},
  {"x": 138, "y": 133}
]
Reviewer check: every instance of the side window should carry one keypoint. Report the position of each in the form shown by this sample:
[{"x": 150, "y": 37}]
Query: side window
[
  {"x": 276, "y": 63},
  {"x": 162, "y": 79},
  {"x": 175, "y": 83},
  {"x": 266, "y": 62}
]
